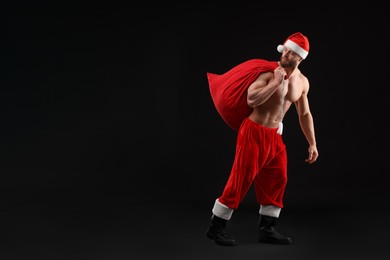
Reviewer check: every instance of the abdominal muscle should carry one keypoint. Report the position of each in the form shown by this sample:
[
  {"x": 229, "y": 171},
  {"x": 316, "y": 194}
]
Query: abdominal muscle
[{"x": 269, "y": 114}]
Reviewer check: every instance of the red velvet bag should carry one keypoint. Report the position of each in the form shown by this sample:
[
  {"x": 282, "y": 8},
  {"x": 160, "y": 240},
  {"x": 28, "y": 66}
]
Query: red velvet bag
[{"x": 229, "y": 90}]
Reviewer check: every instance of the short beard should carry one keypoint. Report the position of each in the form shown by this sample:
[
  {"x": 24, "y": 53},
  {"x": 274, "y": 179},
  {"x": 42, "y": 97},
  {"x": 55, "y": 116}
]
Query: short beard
[{"x": 287, "y": 64}]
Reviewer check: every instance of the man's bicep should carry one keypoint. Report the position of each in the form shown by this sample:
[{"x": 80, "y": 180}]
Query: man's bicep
[
  {"x": 302, "y": 105},
  {"x": 260, "y": 82}
]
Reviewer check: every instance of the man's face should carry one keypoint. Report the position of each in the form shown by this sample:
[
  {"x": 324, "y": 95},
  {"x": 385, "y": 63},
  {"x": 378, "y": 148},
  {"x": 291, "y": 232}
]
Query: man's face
[{"x": 289, "y": 58}]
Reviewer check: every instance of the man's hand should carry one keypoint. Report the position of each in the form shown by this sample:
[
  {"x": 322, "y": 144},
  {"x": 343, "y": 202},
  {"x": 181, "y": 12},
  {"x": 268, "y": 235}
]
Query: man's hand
[
  {"x": 279, "y": 75},
  {"x": 313, "y": 154}
]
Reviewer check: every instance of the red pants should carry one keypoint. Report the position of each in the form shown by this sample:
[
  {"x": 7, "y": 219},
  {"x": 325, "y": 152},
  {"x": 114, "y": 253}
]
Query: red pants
[{"x": 261, "y": 159}]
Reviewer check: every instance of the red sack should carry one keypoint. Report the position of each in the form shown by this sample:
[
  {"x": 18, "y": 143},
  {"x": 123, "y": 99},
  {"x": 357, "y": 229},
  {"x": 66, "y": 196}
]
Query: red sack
[{"x": 229, "y": 90}]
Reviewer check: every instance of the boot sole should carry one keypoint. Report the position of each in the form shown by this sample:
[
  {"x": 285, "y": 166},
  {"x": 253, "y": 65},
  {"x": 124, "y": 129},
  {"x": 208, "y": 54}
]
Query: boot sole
[{"x": 213, "y": 237}]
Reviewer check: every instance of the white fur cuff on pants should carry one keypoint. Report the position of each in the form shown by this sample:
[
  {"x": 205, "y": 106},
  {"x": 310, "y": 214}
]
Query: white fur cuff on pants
[
  {"x": 222, "y": 211},
  {"x": 270, "y": 210}
]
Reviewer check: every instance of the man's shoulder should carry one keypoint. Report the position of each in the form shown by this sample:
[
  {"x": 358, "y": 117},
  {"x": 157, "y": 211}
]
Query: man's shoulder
[
  {"x": 302, "y": 77},
  {"x": 303, "y": 81}
]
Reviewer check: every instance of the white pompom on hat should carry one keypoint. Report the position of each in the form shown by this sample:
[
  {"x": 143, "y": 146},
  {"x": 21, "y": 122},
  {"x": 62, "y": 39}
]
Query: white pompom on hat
[{"x": 298, "y": 43}]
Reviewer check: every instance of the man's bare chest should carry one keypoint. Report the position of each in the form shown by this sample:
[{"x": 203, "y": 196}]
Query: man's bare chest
[{"x": 294, "y": 91}]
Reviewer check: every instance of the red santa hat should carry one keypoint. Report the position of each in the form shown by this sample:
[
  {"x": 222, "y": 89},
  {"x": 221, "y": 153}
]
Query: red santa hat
[{"x": 298, "y": 43}]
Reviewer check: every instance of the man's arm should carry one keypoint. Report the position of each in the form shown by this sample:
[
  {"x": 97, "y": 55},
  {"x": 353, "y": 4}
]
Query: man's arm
[
  {"x": 264, "y": 86},
  {"x": 307, "y": 124}
]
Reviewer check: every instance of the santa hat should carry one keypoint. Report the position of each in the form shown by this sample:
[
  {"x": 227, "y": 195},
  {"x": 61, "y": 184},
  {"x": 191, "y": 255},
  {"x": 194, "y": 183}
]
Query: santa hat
[{"x": 298, "y": 43}]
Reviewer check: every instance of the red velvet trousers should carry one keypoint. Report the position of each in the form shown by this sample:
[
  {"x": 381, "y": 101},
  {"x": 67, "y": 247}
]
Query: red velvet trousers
[{"x": 261, "y": 159}]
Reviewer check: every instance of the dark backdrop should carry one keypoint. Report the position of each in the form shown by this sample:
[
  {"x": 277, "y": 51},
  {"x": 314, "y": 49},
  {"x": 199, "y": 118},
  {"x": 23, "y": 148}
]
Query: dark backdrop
[{"x": 108, "y": 104}]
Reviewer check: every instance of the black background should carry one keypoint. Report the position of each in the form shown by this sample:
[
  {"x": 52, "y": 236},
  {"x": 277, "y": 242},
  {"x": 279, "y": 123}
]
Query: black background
[{"x": 111, "y": 147}]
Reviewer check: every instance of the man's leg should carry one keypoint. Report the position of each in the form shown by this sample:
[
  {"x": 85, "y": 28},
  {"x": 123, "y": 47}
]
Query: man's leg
[
  {"x": 216, "y": 230},
  {"x": 267, "y": 231},
  {"x": 270, "y": 185},
  {"x": 240, "y": 179}
]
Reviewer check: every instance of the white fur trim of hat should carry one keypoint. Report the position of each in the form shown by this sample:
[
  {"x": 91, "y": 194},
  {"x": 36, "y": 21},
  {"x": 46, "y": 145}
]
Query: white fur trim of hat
[{"x": 298, "y": 43}]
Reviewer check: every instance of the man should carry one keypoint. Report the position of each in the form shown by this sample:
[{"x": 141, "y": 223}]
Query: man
[{"x": 261, "y": 156}]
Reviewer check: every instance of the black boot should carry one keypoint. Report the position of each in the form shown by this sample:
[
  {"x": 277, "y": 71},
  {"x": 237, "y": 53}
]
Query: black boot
[
  {"x": 216, "y": 232},
  {"x": 268, "y": 233}
]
